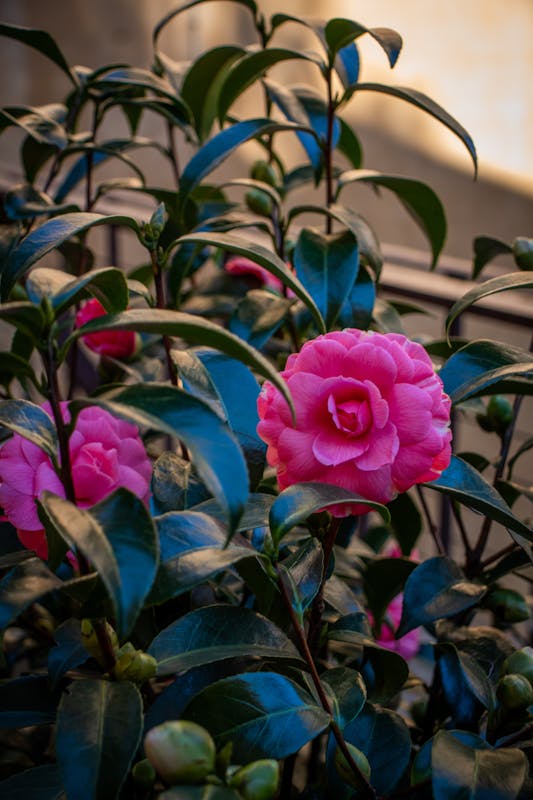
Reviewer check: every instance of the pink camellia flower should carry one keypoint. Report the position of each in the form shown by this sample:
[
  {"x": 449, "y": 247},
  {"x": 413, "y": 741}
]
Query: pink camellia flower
[
  {"x": 117, "y": 344},
  {"x": 239, "y": 265},
  {"x": 371, "y": 417},
  {"x": 105, "y": 452},
  {"x": 408, "y": 645}
]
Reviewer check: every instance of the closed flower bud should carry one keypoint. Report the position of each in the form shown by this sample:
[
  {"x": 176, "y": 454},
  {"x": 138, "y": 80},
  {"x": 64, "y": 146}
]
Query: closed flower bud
[
  {"x": 500, "y": 413},
  {"x": 134, "y": 665},
  {"x": 181, "y": 751},
  {"x": 521, "y": 663},
  {"x": 523, "y": 252},
  {"x": 265, "y": 172},
  {"x": 144, "y": 774},
  {"x": 258, "y": 780},
  {"x": 508, "y": 605},
  {"x": 91, "y": 643},
  {"x": 158, "y": 220},
  {"x": 258, "y": 202},
  {"x": 514, "y": 692},
  {"x": 346, "y": 772}
]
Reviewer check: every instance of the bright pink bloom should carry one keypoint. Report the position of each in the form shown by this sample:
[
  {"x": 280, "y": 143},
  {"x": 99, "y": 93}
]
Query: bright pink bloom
[
  {"x": 117, "y": 344},
  {"x": 105, "y": 452},
  {"x": 239, "y": 265},
  {"x": 408, "y": 645},
  {"x": 371, "y": 417}
]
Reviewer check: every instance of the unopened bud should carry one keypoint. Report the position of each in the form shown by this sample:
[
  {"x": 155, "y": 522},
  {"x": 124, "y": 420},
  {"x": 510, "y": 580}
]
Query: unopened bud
[
  {"x": 256, "y": 781},
  {"x": 91, "y": 643},
  {"x": 521, "y": 663},
  {"x": 508, "y": 605},
  {"x": 134, "y": 665},
  {"x": 523, "y": 252},
  {"x": 158, "y": 220},
  {"x": 181, "y": 751},
  {"x": 265, "y": 172},
  {"x": 514, "y": 692},
  {"x": 346, "y": 772},
  {"x": 259, "y": 202},
  {"x": 144, "y": 774}
]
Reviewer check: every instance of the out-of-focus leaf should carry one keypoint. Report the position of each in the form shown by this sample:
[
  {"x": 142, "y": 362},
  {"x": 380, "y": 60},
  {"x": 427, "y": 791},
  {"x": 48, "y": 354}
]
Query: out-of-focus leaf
[
  {"x": 27, "y": 701},
  {"x": 486, "y": 249},
  {"x": 503, "y": 283},
  {"x": 25, "y": 584},
  {"x": 41, "y": 41},
  {"x": 32, "y": 422},
  {"x": 39, "y": 783}
]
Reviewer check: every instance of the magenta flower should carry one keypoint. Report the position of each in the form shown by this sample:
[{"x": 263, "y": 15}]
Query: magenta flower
[
  {"x": 117, "y": 344},
  {"x": 105, "y": 452},
  {"x": 371, "y": 417},
  {"x": 239, "y": 265},
  {"x": 408, "y": 645}
]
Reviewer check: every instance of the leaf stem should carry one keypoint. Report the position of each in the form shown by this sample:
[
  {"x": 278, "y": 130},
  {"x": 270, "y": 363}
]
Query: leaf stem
[
  {"x": 328, "y": 151},
  {"x": 162, "y": 303},
  {"x": 367, "y": 790},
  {"x": 173, "y": 154},
  {"x": 431, "y": 525},
  {"x": 317, "y": 609}
]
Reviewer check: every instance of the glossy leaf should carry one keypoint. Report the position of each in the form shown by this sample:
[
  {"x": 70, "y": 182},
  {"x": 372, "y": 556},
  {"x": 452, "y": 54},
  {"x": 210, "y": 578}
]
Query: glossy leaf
[
  {"x": 69, "y": 651},
  {"x": 327, "y": 266},
  {"x": 213, "y": 447},
  {"x": 428, "y": 105},
  {"x": 189, "y": 327},
  {"x": 217, "y": 149},
  {"x": 26, "y": 317},
  {"x": 262, "y": 256},
  {"x": 39, "y": 783},
  {"x": 27, "y": 701},
  {"x": 436, "y": 589},
  {"x": 384, "y": 738},
  {"x": 32, "y": 422},
  {"x": 249, "y": 4},
  {"x": 192, "y": 551},
  {"x": 503, "y": 283},
  {"x": 339, "y": 32},
  {"x": 480, "y": 773},
  {"x": 251, "y": 709},
  {"x": 258, "y": 316},
  {"x": 347, "y": 64},
  {"x": 202, "y": 84},
  {"x": 466, "y": 688},
  {"x": 296, "y": 503},
  {"x": 40, "y": 41},
  {"x": 216, "y": 633},
  {"x": 357, "y": 309},
  {"x": 406, "y": 521},
  {"x": 117, "y": 537},
  {"x": 305, "y": 569},
  {"x": 474, "y": 366},
  {"x": 486, "y": 249},
  {"x": 349, "y": 145},
  {"x": 99, "y": 726},
  {"x": 43, "y": 124},
  {"x": 48, "y": 236},
  {"x": 384, "y": 578},
  {"x": 419, "y": 200},
  {"x": 249, "y": 69},
  {"x": 24, "y": 585},
  {"x": 349, "y": 693},
  {"x": 467, "y": 486},
  {"x": 107, "y": 284}
]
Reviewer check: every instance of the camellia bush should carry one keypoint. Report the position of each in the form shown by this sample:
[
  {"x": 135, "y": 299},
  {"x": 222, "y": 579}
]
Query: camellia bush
[{"x": 219, "y": 468}]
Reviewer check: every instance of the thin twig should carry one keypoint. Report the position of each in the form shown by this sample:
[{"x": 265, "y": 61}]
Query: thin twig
[
  {"x": 431, "y": 525},
  {"x": 462, "y": 529}
]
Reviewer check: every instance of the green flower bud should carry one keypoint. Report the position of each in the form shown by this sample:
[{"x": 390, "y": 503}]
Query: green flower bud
[
  {"x": 500, "y": 412},
  {"x": 521, "y": 663},
  {"x": 345, "y": 771},
  {"x": 265, "y": 172},
  {"x": 181, "y": 751},
  {"x": 144, "y": 774},
  {"x": 91, "y": 643},
  {"x": 258, "y": 202},
  {"x": 514, "y": 692},
  {"x": 158, "y": 220},
  {"x": 523, "y": 252},
  {"x": 508, "y": 605},
  {"x": 134, "y": 665},
  {"x": 256, "y": 781}
]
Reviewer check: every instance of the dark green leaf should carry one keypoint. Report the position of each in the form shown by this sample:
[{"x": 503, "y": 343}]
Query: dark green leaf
[
  {"x": 466, "y": 485},
  {"x": 250, "y": 4},
  {"x": 133, "y": 77},
  {"x": 213, "y": 448},
  {"x": 339, "y": 32},
  {"x": 258, "y": 316},
  {"x": 216, "y": 633},
  {"x": 41, "y": 41},
  {"x": 327, "y": 266},
  {"x": 436, "y": 589},
  {"x": 473, "y": 367},
  {"x": 202, "y": 84},
  {"x": 31, "y": 422},
  {"x": 513, "y": 280},
  {"x": 199, "y": 793},
  {"x": 48, "y": 236},
  {"x": 486, "y": 249},
  {"x": 24, "y": 585},
  {"x": 357, "y": 309},
  {"x": 249, "y": 69},
  {"x": 99, "y": 726},
  {"x": 262, "y": 256},
  {"x": 428, "y": 105},
  {"x": 23, "y": 202},
  {"x": 295, "y": 504},
  {"x": 384, "y": 578},
  {"x": 189, "y": 327},
  {"x": 26, "y": 317},
  {"x": 406, "y": 522},
  {"x": 264, "y": 714},
  {"x": 347, "y": 64},
  {"x": 305, "y": 569},
  {"x": 107, "y": 284},
  {"x": 39, "y": 783},
  {"x": 43, "y": 124},
  {"x": 349, "y": 693},
  {"x": 349, "y": 145},
  {"x": 384, "y": 738},
  {"x": 176, "y": 484},
  {"x": 217, "y": 149},
  {"x": 466, "y": 687},
  {"x": 117, "y": 536},
  {"x": 418, "y": 198},
  {"x": 479, "y": 773},
  {"x": 69, "y": 651},
  {"x": 27, "y": 701}
]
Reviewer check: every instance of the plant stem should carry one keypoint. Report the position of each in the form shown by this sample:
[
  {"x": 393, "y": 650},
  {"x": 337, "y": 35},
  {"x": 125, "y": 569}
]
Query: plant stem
[
  {"x": 462, "y": 529},
  {"x": 162, "y": 303},
  {"x": 431, "y": 525},
  {"x": 287, "y": 776},
  {"x": 328, "y": 152},
  {"x": 367, "y": 791},
  {"x": 173, "y": 154},
  {"x": 317, "y": 609},
  {"x": 505, "y": 551}
]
